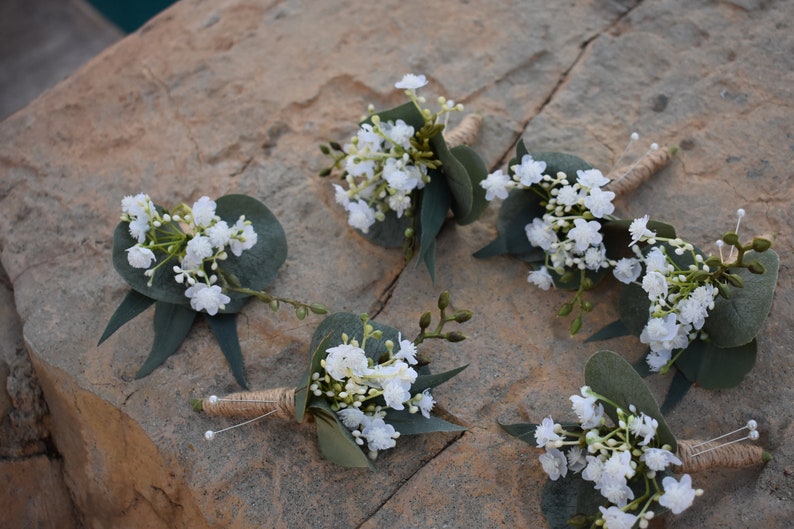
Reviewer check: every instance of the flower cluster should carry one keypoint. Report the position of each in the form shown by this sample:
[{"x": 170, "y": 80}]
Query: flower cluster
[
  {"x": 568, "y": 231},
  {"x": 361, "y": 392},
  {"x": 194, "y": 236},
  {"x": 387, "y": 161},
  {"x": 619, "y": 460}
]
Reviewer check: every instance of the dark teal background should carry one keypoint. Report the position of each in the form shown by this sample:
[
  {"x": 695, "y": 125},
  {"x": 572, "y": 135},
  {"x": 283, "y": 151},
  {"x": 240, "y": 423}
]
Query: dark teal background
[{"x": 129, "y": 15}]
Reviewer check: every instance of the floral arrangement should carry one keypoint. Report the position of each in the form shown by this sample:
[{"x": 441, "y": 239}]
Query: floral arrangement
[
  {"x": 557, "y": 214},
  {"x": 614, "y": 467},
  {"x": 403, "y": 174},
  {"x": 209, "y": 257},
  {"x": 365, "y": 387}
]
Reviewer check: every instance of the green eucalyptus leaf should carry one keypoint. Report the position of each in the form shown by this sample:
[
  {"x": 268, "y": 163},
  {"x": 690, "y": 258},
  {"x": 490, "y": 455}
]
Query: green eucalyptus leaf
[
  {"x": 416, "y": 423},
  {"x": 256, "y": 268},
  {"x": 617, "y": 236},
  {"x": 713, "y": 367},
  {"x": 224, "y": 327},
  {"x": 609, "y": 375},
  {"x": 593, "y": 275},
  {"x": 738, "y": 319},
  {"x": 172, "y": 324},
  {"x": 611, "y": 330},
  {"x": 424, "y": 382},
  {"x": 565, "y": 497},
  {"x": 524, "y": 431},
  {"x": 133, "y": 304},
  {"x": 518, "y": 210},
  {"x": 334, "y": 439},
  {"x": 303, "y": 394},
  {"x": 434, "y": 205},
  {"x": 559, "y": 162},
  {"x": 678, "y": 389},
  {"x": 457, "y": 178},
  {"x": 390, "y": 232},
  {"x": 476, "y": 171},
  {"x": 633, "y": 306}
]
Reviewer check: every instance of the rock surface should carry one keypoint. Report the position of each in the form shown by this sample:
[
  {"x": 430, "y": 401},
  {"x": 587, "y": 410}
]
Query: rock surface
[{"x": 234, "y": 96}]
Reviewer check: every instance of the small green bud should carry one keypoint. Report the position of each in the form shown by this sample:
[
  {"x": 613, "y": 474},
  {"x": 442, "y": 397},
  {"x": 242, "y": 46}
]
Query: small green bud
[
  {"x": 317, "y": 308},
  {"x": 723, "y": 289},
  {"x": 761, "y": 245},
  {"x": 301, "y": 312},
  {"x": 409, "y": 233},
  {"x": 587, "y": 306},
  {"x": 443, "y": 300},
  {"x": 565, "y": 309},
  {"x": 567, "y": 277},
  {"x": 735, "y": 280},
  {"x": 335, "y": 146},
  {"x": 273, "y": 305},
  {"x": 756, "y": 267},
  {"x": 579, "y": 521},
  {"x": 377, "y": 334},
  {"x": 324, "y": 149},
  {"x": 462, "y": 316},
  {"x": 424, "y": 321},
  {"x": 731, "y": 238},
  {"x": 454, "y": 336},
  {"x": 713, "y": 261},
  {"x": 587, "y": 283},
  {"x": 576, "y": 325},
  {"x": 325, "y": 172}
]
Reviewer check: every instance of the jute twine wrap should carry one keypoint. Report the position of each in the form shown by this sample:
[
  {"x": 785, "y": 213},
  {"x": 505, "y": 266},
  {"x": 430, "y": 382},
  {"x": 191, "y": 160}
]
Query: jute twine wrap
[
  {"x": 465, "y": 133},
  {"x": 630, "y": 178},
  {"x": 726, "y": 456},
  {"x": 279, "y": 401}
]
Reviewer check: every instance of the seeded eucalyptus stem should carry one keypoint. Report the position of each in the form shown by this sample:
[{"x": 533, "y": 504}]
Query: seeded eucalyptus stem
[
  {"x": 302, "y": 309},
  {"x": 458, "y": 316}
]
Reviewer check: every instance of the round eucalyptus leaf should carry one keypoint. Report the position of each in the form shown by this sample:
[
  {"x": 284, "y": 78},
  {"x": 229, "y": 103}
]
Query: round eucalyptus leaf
[
  {"x": 611, "y": 376},
  {"x": 738, "y": 319},
  {"x": 390, "y": 232},
  {"x": 713, "y": 367}
]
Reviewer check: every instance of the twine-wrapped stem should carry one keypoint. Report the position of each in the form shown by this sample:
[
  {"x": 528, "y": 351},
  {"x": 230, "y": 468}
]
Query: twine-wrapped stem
[
  {"x": 278, "y": 402},
  {"x": 695, "y": 457},
  {"x": 465, "y": 133},
  {"x": 627, "y": 179}
]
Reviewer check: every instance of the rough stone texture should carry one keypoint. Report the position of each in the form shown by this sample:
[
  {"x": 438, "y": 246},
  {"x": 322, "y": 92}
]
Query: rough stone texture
[
  {"x": 34, "y": 494},
  {"x": 234, "y": 96}
]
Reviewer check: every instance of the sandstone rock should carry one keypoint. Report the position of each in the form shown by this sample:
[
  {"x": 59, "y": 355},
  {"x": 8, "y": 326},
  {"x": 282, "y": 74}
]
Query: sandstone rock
[
  {"x": 234, "y": 96},
  {"x": 34, "y": 494}
]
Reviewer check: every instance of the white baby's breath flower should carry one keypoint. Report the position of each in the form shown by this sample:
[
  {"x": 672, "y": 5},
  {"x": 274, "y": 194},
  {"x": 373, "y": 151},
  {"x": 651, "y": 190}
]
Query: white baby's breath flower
[
  {"x": 659, "y": 459},
  {"x": 396, "y": 393},
  {"x": 615, "y": 518},
  {"x": 138, "y": 227},
  {"x": 219, "y": 234},
  {"x": 585, "y": 233},
  {"x": 656, "y": 360},
  {"x": 203, "y": 211},
  {"x": 426, "y": 403},
  {"x": 209, "y": 298},
  {"x": 554, "y": 463},
  {"x": 243, "y": 237},
  {"x": 140, "y": 257},
  {"x": 379, "y": 435},
  {"x": 638, "y": 229},
  {"x": 352, "y": 417},
  {"x": 529, "y": 171},
  {"x": 587, "y": 409},
  {"x": 340, "y": 195},
  {"x": 411, "y": 82},
  {"x": 678, "y": 495},
  {"x": 627, "y": 270},
  {"x": 407, "y": 350},
  {"x": 545, "y": 434},
  {"x": 599, "y": 202},
  {"x": 346, "y": 360},
  {"x": 496, "y": 185},
  {"x": 541, "y": 278},
  {"x": 591, "y": 178},
  {"x": 360, "y": 215},
  {"x": 643, "y": 426},
  {"x": 576, "y": 459}
]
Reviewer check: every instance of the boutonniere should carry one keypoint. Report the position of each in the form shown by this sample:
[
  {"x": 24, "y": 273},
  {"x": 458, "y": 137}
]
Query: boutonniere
[
  {"x": 210, "y": 257},
  {"x": 366, "y": 386},
  {"x": 403, "y": 172},
  {"x": 616, "y": 466}
]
